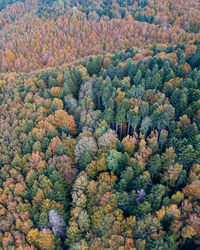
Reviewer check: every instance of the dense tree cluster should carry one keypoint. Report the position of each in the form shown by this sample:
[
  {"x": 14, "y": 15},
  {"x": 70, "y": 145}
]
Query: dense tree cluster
[
  {"x": 29, "y": 41},
  {"x": 4, "y": 3},
  {"x": 103, "y": 153}
]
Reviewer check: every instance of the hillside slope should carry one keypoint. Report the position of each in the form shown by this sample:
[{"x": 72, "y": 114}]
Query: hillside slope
[{"x": 99, "y": 125}]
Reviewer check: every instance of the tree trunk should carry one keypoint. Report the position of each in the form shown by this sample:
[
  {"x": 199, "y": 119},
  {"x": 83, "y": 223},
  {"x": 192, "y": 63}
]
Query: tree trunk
[
  {"x": 113, "y": 125},
  {"x": 99, "y": 103},
  {"x": 121, "y": 132},
  {"x": 116, "y": 128},
  {"x": 128, "y": 130},
  {"x": 135, "y": 127}
]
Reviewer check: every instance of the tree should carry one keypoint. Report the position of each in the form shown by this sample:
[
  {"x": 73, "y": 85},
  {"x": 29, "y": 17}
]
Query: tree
[
  {"x": 155, "y": 166},
  {"x": 135, "y": 122},
  {"x": 115, "y": 161},
  {"x": 156, "y": 82},
  {"x": 172, "y": 175},
  {"x": 130, "y": 69},
  {"x": 61, "y": 149},
  {"x": 120, "y": 72},
  {"x": 147, "y": 227},
  {"x": 156, "y": 196},
  {"x": 192, "y": 190},
  {"x": 108, "y": 140},
  {"x": 145, "y": 125},
  {"x": 84, "y": 221},
  {"x": 140, "y": 195},
  {"x": 61, "y": 118},
  {"x": 85, "y": 142},
  {"x": 144, "y": 110},
  {"x": 137, "y": 78},
  {"x": 64, "y": 164},
  {"x": 86, "y": 158},
  {"x": 124, "y": 201},
  {"x": 129, "y": 144},
  {"x": 56, "y": 223},
  {"x": 120, "y": 117},
  {"x": 109, "y": 116},
  {"x": 162, "y": 116},
  {"x": 94, "y": 65},
  {"x": 106, "y": 62},
  {"x": 179, "y": 101},
  {"x": 142, "y": 209},
  {"x": 97, "y": 90},
  {"x": 187, "y": 156},
  {"x": 107, "y": 92}
]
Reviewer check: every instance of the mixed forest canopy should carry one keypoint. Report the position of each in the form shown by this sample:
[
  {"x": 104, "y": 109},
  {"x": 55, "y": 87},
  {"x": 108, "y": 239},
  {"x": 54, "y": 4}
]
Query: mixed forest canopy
[{"x": 99, "y": 124}]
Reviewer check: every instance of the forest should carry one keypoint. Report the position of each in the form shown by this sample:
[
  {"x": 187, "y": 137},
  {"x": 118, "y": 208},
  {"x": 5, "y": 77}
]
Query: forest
[{"x": 99, "y": 124}]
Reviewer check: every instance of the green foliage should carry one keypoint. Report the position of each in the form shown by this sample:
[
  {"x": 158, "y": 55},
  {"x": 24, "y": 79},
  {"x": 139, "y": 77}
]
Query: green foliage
[
  {"x": 116, "y": 161},
  {"x": 86, "y": 158},
  {"x": 147, "y": 226},
  {"x": 61, "y": 149}
]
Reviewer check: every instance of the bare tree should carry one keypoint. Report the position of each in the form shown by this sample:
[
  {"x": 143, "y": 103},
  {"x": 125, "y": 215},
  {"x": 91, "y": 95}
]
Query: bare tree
[
  {"x": 56, "y": 223},
  {"x": 140, "y": 195}
]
